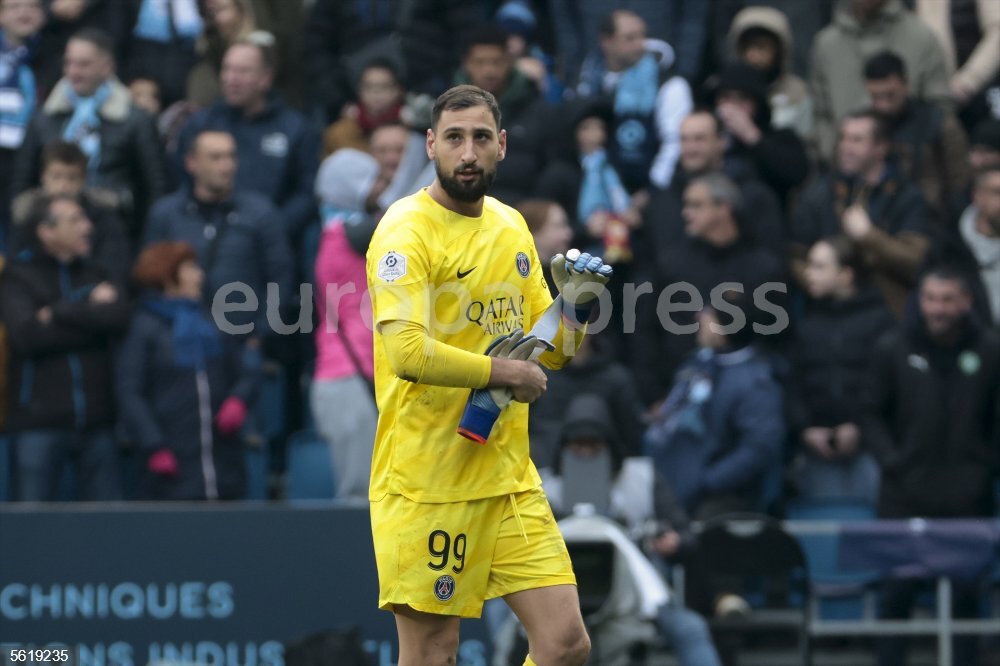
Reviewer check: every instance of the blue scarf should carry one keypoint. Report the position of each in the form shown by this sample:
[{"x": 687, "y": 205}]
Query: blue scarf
[
  {"x": 601, "y": 189},
  {"x": 162, "y": 20},
  {"x": 84, "y": 125},
  {"x": 17, "y": 87},
  {"x": 637, "y": 87},
  {"x": 196, "y": 341}
]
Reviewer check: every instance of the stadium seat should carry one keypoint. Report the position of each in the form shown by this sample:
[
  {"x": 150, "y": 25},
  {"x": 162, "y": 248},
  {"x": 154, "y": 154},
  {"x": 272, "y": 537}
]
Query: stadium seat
[
  {"x": 758, "y": 550},
  {"x": 310, "y": 469},
  {"x": 837, "y": 594}
]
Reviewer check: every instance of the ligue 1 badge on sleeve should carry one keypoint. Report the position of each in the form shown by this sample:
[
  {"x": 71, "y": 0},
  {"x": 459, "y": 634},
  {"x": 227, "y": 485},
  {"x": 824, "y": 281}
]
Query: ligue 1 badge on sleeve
[
  {"x": 392, "y": 266},
  {"x": 444, "y": 588}
]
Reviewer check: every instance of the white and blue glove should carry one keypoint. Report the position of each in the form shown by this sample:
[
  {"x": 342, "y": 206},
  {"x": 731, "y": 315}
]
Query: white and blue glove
[
  {"x": 580, "y": 278},
  {"x": 484, "y": 406}
]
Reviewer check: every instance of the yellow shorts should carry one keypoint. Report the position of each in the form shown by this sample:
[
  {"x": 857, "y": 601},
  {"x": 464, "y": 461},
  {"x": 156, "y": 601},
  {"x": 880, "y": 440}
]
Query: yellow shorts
[{"x": 449, "y": 558}]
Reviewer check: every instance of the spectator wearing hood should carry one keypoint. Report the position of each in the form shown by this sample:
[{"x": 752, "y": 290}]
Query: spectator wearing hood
[
  {"x": 486, "y": 63},
  {"x": 379, "y": 100},
  {"x": 777, "y": 155},
  {"x": 518, "y": 20},
  {"x": 860, "y": 29},
  {"x": 344, "y": 357},
  {"x": 928, "y": 143},
  {"x": 717, "y": 437},
  {"x": 979, "y": 230},
  {"x": 844, "y": 316},
  {"x": 932, "y": 419},
  {"x": 637, "y": 497},
  {"x": 593, "y": 366},
  {"x": 687, "y": 276},
  {"x": 870, "y": 202},
  {"x": 183, "y": 387},
  {"x": 762, "y": 38},
  {"x": 648, "y": 97}
]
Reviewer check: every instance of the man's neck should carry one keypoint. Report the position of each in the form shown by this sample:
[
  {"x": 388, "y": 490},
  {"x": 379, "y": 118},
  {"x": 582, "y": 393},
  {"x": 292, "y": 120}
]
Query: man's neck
[
  {"x": 11, "y": 41},
  {"x": 873, "y": 176},
  {"x": 255, "y": 108},
  {"x": 466, "y": 208},
  {"x": 845, "y": 293},
  {"x": 63, "y": 257},
  {"x": 207, "y": 196},
  {"x": 723, "y": 235},
  {"x": 984, "y": 228}
]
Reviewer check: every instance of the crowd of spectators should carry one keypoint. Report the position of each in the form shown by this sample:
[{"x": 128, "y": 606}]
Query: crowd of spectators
[{"x": 802, "y": 207}]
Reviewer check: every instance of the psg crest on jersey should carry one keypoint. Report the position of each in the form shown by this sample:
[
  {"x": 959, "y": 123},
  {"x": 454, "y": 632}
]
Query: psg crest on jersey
[
  {"x": 523, "y": 264},
  {"x": 444, "y": 588}
]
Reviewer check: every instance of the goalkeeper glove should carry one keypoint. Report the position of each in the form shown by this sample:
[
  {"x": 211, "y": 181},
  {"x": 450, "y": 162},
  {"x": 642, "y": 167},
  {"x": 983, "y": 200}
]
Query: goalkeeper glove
[
  {"x": 484, "y": 405},
  {"x": 580, "y": 278}
]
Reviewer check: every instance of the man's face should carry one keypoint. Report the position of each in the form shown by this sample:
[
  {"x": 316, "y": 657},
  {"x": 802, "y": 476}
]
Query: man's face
[
  {"x": 21, "y": 19},
  {"x": 857, "y": 149},
  {"x": 388, "y": 145},
  {"x": 761, "y": 51},
  {"x": 707, "y": 336},
  {"x": 888, "y": 95},
  {"x": 626, "y": 47},
  {"x": 943, "y": 305},
  {"x": 591, "y": 135},
  {"x": 212, "y": 162},
  {"x": 701, "y": 146},
  {"x": 824, "y": 274},
  {"x": 69, "y": 234},
  {"x": 62, "y": 178},
  {"x": 986, "y": 197},
  {"x": 700, "y": 212},
  {"x": 245, "y": 79},
  {"x": 466, "y": 147},
  {"x": 146, "y": 95},
  {"x": 86, "y": 67},
  {"x": 488, "y": 67},
  {"x": 378, "y": 90}
]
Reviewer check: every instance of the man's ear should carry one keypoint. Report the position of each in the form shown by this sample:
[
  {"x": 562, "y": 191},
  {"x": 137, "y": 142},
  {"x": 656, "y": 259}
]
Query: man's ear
[
  {"x": 429, "y": 144},
  {"x": 502, "y": 145}
]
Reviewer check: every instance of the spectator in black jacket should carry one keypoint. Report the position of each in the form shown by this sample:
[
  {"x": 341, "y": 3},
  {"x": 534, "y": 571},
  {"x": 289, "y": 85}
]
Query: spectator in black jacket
[
  {"x": 91, "y": 108},
  {"x": 64, "y": 172},
  {"x": 183, "y": 387},
  {"x": 933, "y": 422},
  {"x": 278, "y": 147},
  {"x": 928, "y": 143},
  {"x": 703, "y": 150},
  {"x": 691, "y": 275},
  {"x": 62, "y": 315},
  {"x": 487, "y": 64},
  {"x": 870, "y": 202},
  {"x": 844, "y": 316},
  {"x": 778, "y": 155},
  {"x": 232, "y": 230}
]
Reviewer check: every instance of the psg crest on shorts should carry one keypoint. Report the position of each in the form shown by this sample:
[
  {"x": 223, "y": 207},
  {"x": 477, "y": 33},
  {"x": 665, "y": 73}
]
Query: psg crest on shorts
[
  {"x": 444, "y": 587},
  {"x": 523, "y": 264}
]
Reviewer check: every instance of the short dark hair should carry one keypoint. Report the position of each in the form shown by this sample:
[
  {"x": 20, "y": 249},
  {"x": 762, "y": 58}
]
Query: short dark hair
[
  {"x": 40, "y": 211},
  {"x": 884, "y": 65},
  {"x": 609, "y": 22},
  {"x": 948, "y": 272},
  {"x": 63, "y": 152},
  {"x": 847, "y": 253},
  {"x": 464, "y": 97},
  {"x": 100, "y": 39},
  {"x": 706, "y": 111},
  {"x": 484, "y": 34},
  {"x": 196, "y": 139},
  {"x": 982, "y": 173},
  {"x": 379, "y": 62},
  {"x": 880, "y": 127}
]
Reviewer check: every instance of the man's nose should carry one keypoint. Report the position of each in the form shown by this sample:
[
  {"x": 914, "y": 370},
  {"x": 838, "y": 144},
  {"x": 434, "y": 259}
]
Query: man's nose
[{"x": 469, "y": 152}]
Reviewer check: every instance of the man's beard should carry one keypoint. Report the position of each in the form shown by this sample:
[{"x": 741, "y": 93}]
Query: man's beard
[{"x": 465, "y": 192}]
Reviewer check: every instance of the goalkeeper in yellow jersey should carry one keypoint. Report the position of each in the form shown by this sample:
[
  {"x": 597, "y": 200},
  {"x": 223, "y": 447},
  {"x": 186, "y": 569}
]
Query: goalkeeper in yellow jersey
[{"x": 458, "y": 298}]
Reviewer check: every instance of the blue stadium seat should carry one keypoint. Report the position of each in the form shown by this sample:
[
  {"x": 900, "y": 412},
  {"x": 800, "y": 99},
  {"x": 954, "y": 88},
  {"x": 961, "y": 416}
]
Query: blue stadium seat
[
  {"x": 839, "y": 594},
  {"x": 310, "y": 469}
]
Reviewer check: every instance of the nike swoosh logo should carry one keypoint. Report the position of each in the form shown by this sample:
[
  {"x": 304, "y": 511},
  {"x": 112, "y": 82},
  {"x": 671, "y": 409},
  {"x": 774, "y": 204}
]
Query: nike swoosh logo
[{"x": 462, "y": 274}]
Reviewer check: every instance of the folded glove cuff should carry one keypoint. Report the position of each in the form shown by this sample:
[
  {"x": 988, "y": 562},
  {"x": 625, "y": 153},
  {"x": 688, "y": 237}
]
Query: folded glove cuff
[
  {"x": 577, "y": 315},
  {"x": 477, "y": 421}
]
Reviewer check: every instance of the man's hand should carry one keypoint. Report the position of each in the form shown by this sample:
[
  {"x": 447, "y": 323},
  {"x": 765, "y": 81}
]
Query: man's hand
[
  {"x": 739, "y": 124},
  {"x": 818, "y": 441},
  {"x": 856, "y": 223},
  {"x": 847, "y": 440},
  {"x": 103, "y": 293},
  {"x": 513, "y": 376},
  {"x": 580, "y": 278},
  {"x": 44, "y": 315}
]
